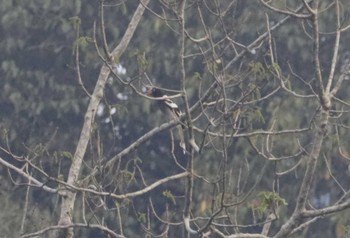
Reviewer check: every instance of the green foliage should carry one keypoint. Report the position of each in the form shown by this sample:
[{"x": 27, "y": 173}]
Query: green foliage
[
  {"x": 127, "y": 177},
  {"x": 84, "y": 41},
  {"x": 196, "y": 76},
  {"x": 67, "y": 154},
  {"x": 275, "y": 67},
  {"x": 257, "y": 69},
  {"x": 170, "y": 196},
  {"x": 76, "y": 22},
  {"x": 256, "y": 94},
  {"x": 288, "y": 84},
  {"x": 142, "y": 61},
  {"x": 268, "y": 201},
  {"x": 272, "y": 198},
  {"x": 142, "y": 217}
]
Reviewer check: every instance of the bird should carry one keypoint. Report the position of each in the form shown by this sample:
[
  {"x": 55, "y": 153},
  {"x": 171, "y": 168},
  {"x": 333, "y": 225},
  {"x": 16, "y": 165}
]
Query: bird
[{"x": 167, "y": 105}]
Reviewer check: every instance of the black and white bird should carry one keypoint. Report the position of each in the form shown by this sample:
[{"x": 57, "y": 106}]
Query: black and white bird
[{"x": 168, "y": 106}]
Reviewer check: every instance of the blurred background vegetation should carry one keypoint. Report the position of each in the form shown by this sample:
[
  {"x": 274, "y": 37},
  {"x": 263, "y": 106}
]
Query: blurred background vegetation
[{"x": 42, "y": 109}]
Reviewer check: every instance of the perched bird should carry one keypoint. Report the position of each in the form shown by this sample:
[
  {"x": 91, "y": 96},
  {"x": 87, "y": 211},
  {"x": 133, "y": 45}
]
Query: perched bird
[{"x": 167, "y": 105}]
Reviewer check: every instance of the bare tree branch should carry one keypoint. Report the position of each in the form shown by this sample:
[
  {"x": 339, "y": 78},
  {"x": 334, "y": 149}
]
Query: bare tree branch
[
  {"x": 74, "y": 225},
  {"x": 67, "y": 205}
]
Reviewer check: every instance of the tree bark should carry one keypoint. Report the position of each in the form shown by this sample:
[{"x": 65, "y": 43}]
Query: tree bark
[
  {"x": 295, "y": 219},
  {"x": 68, "y": 200}
]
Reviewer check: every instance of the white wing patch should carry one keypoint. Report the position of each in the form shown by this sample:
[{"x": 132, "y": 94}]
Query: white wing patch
[
  {"x": 173, "y": 107},
  {"x": 171, "y": 104}
]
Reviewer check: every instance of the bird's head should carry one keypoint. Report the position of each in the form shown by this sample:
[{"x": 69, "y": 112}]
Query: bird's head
[{"x": 154, "y": 92}]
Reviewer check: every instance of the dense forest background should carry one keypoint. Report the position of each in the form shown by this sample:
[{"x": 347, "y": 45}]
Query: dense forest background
[{"x": 264, "y": 87}]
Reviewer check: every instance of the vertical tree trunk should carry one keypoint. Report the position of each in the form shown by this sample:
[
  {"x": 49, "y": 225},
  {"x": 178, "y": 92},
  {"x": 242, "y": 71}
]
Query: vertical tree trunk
[
  {"x": 320, "y": 132},
  {"x": 68, "y": 199}
]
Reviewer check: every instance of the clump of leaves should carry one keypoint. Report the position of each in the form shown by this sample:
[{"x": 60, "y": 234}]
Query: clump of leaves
[
  {"x": 170, "y": 196},
  {"x": 257, "y": 69},
  {"x": 142, "y": 217},
  {"x": 268, "y": 201}
]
